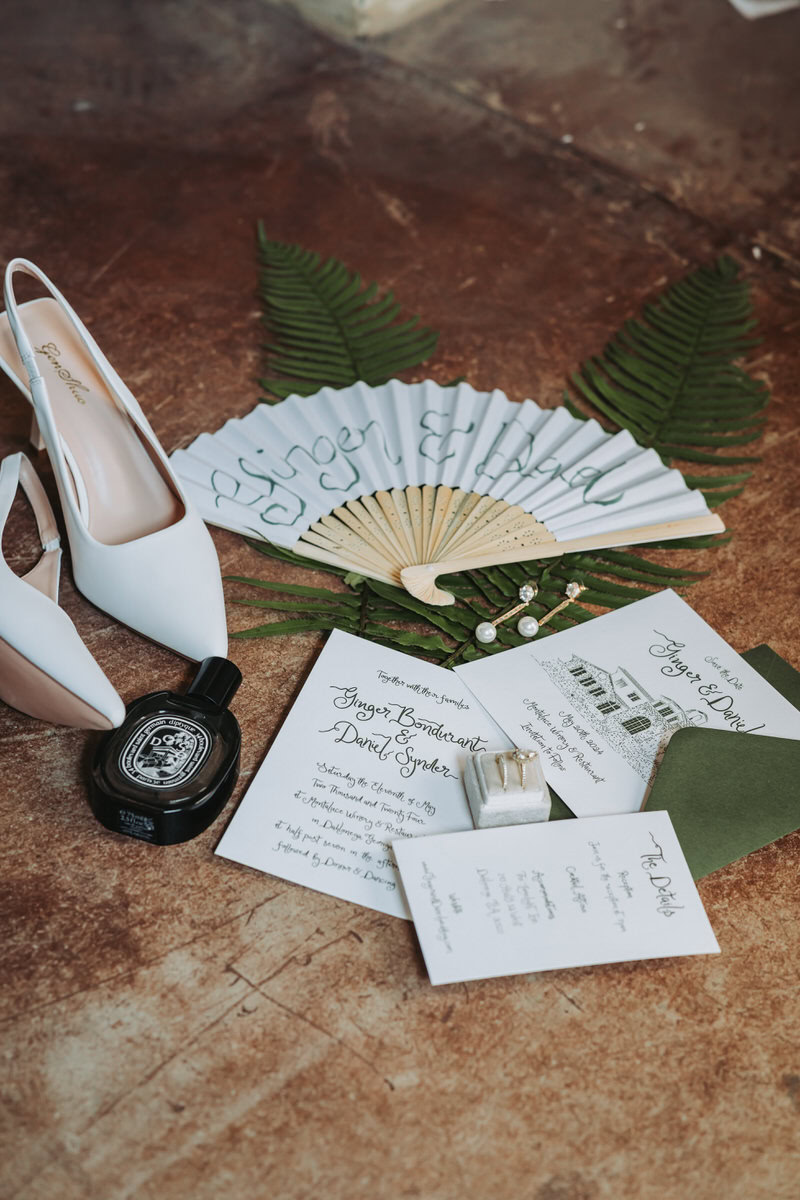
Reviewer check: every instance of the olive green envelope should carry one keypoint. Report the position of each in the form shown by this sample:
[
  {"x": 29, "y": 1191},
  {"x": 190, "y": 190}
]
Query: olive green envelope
[{"x": 728, "y": 794}]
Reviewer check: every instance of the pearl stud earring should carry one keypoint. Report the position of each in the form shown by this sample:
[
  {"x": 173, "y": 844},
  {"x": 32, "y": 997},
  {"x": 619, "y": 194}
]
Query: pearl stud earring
[
  {"x": 527, "y": 626},
  {"x": 486, "y": 631}
]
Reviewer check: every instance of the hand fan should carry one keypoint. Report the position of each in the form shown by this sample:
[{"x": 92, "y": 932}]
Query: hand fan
[{"x": 405, "y": 482}]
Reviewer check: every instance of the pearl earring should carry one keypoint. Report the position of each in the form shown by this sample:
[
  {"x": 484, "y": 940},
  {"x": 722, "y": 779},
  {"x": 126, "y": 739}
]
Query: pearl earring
[
  {"x": 486, "y": 631},
  {"x": 527, "y": 626}
]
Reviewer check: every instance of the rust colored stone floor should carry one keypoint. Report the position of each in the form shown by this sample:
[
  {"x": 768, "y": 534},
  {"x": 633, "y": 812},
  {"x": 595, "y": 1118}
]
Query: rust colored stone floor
[{"x": 173, "y": 1025}]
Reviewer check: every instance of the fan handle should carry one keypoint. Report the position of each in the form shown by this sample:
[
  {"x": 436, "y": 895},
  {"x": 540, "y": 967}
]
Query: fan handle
[{"x": 420, "y": 580}]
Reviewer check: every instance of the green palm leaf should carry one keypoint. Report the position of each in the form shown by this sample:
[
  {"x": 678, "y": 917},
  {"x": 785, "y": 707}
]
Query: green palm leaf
[
  {"x": 383, "y": 613},
  {"x": 327, "y": 327},
  {"x": 672, "y": 377}
]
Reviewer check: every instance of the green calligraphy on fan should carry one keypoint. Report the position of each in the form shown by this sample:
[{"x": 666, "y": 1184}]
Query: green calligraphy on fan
[
  {"x": 340, "y": 473},
  {"x": 551, "y": 468},
  {"x": 324, "y": 452},
  {"x": 286, "y": 506}
]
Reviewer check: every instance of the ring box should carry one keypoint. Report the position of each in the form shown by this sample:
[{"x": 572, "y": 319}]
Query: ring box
[{"x": 491, "y": 803}]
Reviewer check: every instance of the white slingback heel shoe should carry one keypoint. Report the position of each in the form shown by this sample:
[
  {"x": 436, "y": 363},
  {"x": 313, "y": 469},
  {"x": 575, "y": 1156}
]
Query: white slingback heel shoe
[
  {"x": 139, "y": 550},
  {"x": 45, "y": 669}
]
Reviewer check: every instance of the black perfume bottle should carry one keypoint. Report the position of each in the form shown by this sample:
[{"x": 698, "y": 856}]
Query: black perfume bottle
[{"x": 166, "y": 773}]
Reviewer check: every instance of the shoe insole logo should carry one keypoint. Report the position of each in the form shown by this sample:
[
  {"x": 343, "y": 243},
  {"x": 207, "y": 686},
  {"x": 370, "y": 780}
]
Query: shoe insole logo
[{"x": 51, "y": 352}]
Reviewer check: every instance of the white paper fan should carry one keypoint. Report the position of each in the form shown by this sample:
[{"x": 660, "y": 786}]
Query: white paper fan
[{"x": 405, "y": 482}]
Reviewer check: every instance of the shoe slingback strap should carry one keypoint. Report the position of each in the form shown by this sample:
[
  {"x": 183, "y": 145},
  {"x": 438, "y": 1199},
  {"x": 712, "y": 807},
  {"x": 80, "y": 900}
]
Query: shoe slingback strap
[
  {"x": 112, "y": 380},
  {"x": 16, "y": 471},
  {"x": 26, "y": 267},
  {"x": 40, "y": 398},
  {"x": 17, "y": 328}
]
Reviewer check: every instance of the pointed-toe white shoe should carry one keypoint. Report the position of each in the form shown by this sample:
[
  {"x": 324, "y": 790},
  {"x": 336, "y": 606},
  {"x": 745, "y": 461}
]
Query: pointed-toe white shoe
[
  {"x": 45, "y": 669},
  {"x": 139, "y": 549}
]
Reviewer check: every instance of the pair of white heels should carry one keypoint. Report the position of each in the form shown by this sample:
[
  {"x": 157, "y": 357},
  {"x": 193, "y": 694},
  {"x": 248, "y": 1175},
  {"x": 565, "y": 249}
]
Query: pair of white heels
[{"x": 139, "y": 550}]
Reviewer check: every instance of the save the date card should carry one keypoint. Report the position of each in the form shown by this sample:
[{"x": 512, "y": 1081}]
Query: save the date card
[{"x": 600, "y": 701}]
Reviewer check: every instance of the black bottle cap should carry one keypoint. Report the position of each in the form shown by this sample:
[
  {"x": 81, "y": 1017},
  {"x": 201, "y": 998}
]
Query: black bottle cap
[{"x": 217, "y": 680}]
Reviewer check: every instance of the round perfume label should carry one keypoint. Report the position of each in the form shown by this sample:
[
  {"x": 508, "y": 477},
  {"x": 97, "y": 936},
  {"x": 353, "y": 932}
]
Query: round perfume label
[{"x": 164, "y": 751}]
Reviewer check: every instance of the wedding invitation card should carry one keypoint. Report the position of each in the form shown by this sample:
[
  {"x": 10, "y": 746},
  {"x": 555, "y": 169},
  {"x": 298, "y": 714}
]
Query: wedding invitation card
[
  {"x": 564, "y": 894},
  {"x": 600, "y": 701},
  {"x": 372, "y": 751}
]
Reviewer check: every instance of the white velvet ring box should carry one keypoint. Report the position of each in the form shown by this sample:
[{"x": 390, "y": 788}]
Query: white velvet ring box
[{"x": 506, "y": 788}]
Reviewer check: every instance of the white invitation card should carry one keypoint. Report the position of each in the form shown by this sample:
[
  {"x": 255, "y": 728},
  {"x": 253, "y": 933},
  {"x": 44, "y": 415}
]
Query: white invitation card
[
  {"x": 371, "y": 751},
  {"x": 563, "y": 894},
  {"x": 600, "y": 701}
]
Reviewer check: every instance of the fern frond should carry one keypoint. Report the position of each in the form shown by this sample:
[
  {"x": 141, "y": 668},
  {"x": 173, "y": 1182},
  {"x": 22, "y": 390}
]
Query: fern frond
[
  {"x": 671, "y": 378},
  {"x": 327, "y": 327},
  {"x": 383, "y": 613}
]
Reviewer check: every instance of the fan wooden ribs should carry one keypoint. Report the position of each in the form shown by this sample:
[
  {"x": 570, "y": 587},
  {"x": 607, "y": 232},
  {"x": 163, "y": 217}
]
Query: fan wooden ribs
[{"x": 383, "y": 534}]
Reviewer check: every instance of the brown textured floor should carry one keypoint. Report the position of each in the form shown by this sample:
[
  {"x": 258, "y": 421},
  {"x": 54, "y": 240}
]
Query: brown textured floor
[{"x": 174, "y": 1025}]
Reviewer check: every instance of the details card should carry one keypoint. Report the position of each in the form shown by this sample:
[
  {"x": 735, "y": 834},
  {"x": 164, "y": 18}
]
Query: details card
[
  {"x": 600, "y": 701},
  {"x": 371, "y": 751},
  {"x": 562, "y": 894}
]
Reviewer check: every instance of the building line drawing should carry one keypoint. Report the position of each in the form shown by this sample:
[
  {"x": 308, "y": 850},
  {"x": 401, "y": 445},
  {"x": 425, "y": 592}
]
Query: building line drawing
[{"x": 635, "y": 723}]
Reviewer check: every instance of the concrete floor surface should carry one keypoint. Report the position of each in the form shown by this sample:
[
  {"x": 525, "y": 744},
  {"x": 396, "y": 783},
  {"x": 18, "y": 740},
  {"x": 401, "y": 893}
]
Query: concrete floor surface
[{"x": 176, "y": 1026}]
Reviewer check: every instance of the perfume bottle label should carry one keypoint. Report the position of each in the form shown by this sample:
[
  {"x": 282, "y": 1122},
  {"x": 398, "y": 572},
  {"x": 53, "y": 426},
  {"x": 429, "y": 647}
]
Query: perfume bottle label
[
  {"x": 136, "y": 824},
  {"x": 164, "y": 752}
]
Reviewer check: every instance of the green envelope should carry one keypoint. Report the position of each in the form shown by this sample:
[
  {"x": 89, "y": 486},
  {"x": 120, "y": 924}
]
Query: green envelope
[{"x": 728, "y": 794}]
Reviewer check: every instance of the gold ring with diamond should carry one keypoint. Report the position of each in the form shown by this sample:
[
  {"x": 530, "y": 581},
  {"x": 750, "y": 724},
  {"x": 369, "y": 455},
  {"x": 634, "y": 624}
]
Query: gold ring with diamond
[{"x": 522, "y": 758}]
